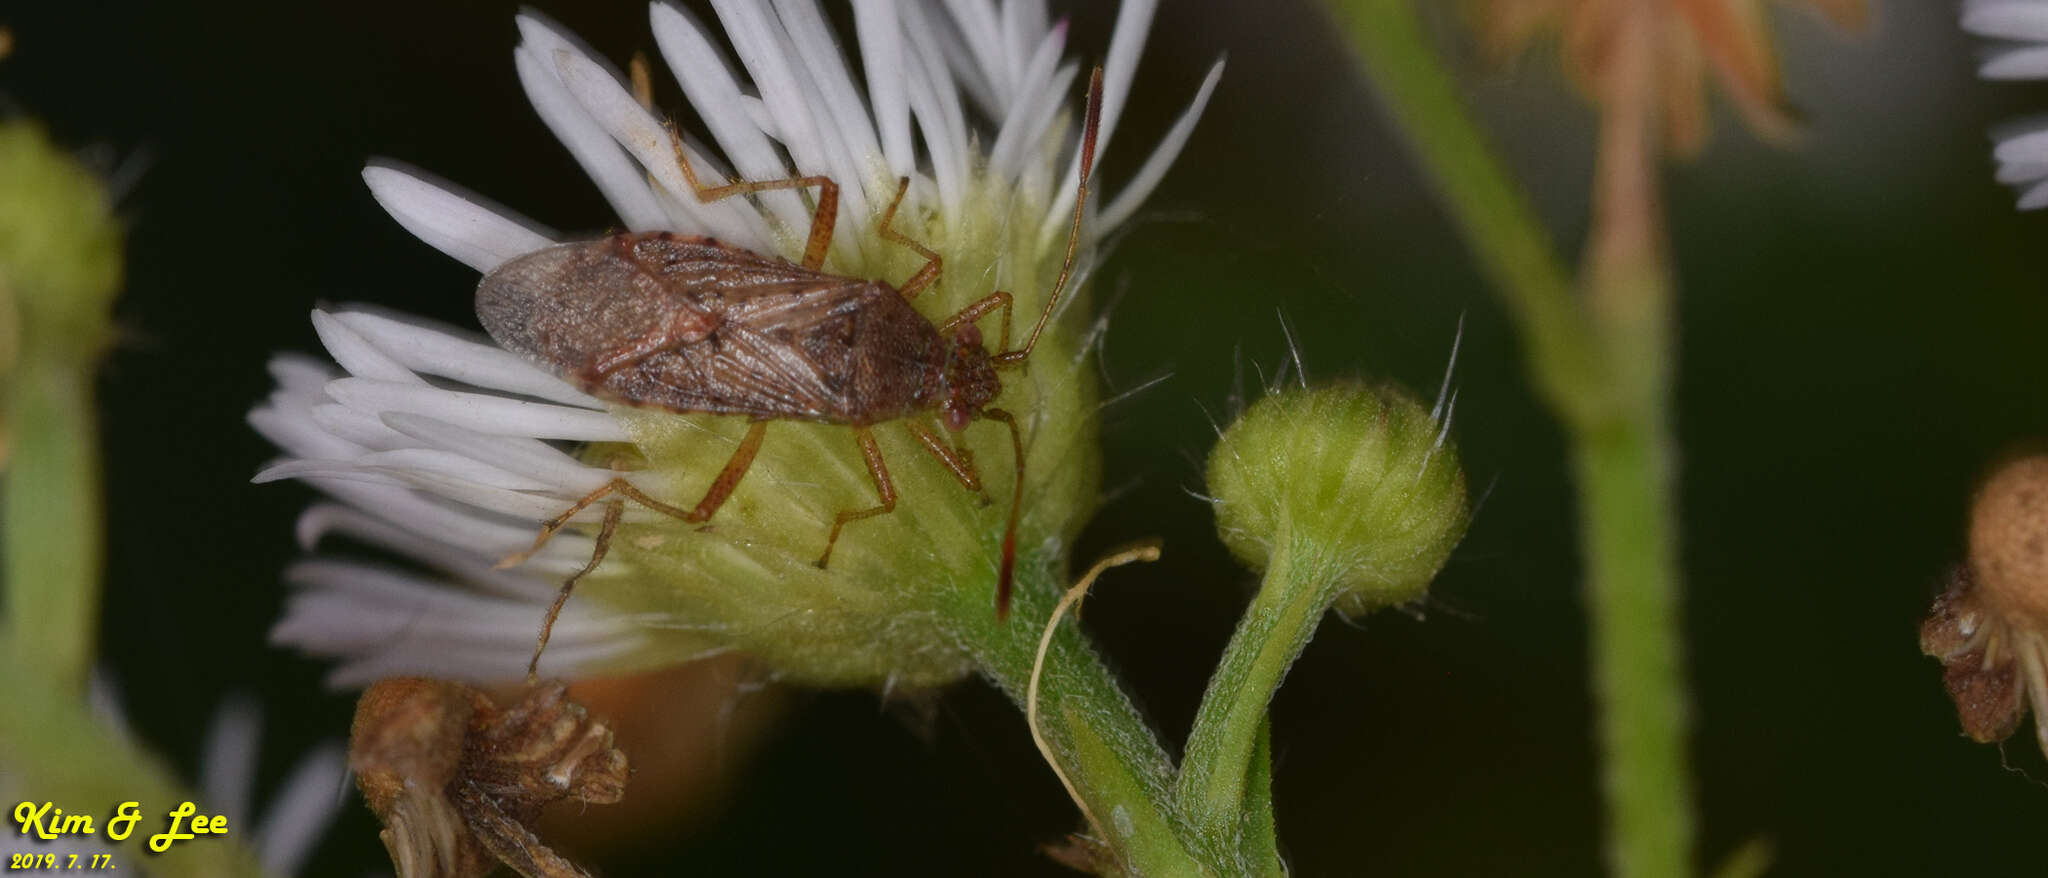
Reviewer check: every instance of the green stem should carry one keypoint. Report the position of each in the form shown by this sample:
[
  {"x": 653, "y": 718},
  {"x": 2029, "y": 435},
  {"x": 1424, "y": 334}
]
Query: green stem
[
  {"x": 1605, "y": 373},
  {"x": 1483, "y": 200},
  {"x": 1272, "y": 633},
  {"x": 1116, "y": 764},
  {"x": 52, "y": 538},
  {"x": 59, "y": 754},
  {"x": 1623, "y": 477},
  {"x": 60, "y": 263}
]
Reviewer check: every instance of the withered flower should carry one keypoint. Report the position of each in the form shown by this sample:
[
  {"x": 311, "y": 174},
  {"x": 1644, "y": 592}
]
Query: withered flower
[
  {"x": 458, "y": 781},
  {"x": 1727, "y": 39},
  {"x": 1990, "y": 628}
]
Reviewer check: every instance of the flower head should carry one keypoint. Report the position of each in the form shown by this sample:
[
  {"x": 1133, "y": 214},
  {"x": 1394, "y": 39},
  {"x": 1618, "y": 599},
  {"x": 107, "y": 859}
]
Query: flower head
[
  {"x": 1727, "y": 39},
  {"x": 1354, "y": 485},
  {"x": 447, "y": 450},
  {"x": 2022, "y": 147}
]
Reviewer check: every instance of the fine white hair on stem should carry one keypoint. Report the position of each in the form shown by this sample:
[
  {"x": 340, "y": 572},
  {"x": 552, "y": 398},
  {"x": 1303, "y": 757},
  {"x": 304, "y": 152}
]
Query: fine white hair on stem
[{"x": 1443, "y": 390}]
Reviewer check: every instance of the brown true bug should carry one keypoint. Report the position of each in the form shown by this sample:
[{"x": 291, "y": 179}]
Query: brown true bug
[{"x": 691, "y": 325}]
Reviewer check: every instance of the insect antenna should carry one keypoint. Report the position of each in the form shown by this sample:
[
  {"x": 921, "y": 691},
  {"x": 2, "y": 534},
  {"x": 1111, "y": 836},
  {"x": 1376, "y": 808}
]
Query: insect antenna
[{"x": 1013, "y": 357}]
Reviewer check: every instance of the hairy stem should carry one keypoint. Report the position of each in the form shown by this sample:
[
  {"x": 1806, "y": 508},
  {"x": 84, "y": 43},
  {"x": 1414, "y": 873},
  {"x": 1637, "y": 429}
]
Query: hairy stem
[
  {"x": 1114, "y": 761},
  {"x": 1483, "y": 200},
  {"x": 1281, "y": 620},
  {"x": 1603, "y": 365},
  {"x": 1628, "y": 491},
  {"x": 58, "y": 753},
  {"x": 51, "y": 522}
]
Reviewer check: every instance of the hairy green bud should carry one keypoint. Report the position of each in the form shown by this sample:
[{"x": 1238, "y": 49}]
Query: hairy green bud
[
  {"x": 60, "y": 248},
  {"x": 1358, "y": 484}
]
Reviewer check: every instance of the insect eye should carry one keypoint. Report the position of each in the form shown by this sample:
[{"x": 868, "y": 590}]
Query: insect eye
[
  {"x": 969, "y": 336},
  {"x": 957, "y": 418}
]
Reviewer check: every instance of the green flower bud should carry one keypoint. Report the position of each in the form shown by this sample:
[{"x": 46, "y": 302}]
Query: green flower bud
[
  {"x": 1357, "y": 484},
  {"x": 60, "y": 249}
]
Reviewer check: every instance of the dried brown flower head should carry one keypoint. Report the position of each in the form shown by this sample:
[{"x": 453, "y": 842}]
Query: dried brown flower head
[
  {"x": 1728, "y": 38},
  {"x": 1990, "y": 628},
  {"x": 459, "y": 781}
]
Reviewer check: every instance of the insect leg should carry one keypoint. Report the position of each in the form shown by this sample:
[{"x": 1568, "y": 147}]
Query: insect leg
[
  {"x": 613, "y": 511},
  {"x": 552, "y": 526},
  {"x": 957, "y": 460},
  {"x": 884, "y": 487},
  {"x": 930, "y": 271},
  {"x": 822, "y": 221},
  {"x": 976, "y": 309},
  {"x": 1016, "y": 501},
  {"x": 729, "y": 478},
  {"x": 1007, "y": 358}
]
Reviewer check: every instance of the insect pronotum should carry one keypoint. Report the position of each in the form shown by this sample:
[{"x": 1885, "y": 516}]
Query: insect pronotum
[{"x": 692, "y": 325}]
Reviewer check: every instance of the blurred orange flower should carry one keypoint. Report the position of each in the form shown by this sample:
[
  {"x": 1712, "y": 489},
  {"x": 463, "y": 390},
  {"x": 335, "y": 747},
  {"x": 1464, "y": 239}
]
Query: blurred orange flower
[{"x": 1728, "y": 38}]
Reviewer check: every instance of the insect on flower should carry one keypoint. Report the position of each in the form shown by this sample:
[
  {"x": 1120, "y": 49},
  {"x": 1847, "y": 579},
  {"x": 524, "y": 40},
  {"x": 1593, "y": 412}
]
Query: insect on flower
[{"x": 692, "y": 325}]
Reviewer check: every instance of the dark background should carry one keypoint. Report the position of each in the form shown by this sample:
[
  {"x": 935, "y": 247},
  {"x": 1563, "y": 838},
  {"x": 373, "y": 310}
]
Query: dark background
[{"x": 1862, "y": 331}]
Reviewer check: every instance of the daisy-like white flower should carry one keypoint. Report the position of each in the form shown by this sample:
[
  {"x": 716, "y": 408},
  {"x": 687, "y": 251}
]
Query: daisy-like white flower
[
  {"x": 2021, "y": 147},
  {"x": 447, "y": 451}
]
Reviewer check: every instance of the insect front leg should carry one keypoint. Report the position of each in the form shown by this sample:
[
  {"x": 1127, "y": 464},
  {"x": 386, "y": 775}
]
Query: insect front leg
[
  {"x": 958, "y": 460},
  {"x": 822, "y": 222},
  {"x": 930, "y": 272},
  {"x": 976, "y": 310},
  {"x": 887, "y": 489}
]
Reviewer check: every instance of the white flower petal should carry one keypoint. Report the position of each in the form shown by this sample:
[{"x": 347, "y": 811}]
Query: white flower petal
[
  {"x": 545, "y": 464},
  {"x": 1037, "y": 98},
  {"x": 709, "y": 83},
  {"x": 622, "y": 183},
  {"x": 2035, "y": 198},
  {"x": 355, "y": 353},
  {"x": 495, "y": 415},
  {"x": 1024, "y": 27},
  {"x": 2012, "y": 173},
  {"x": 935, "y": 101},
  {"x": 2027, "y": 143},
  {"x": 796, "y": 106},
  {"x": 386, "y": 621},
  {"x": 424, "y": 348},
  {"x": 881, "y": 51},
  {"x": 301, "y": 375},
  {"x": 2008, "y": 19},
  {"x": 472, "y": 562},
  {"x": 471, "y": 230},
  {"x": 1141, "y": 184},
  {"x": 2028, "y": 63},
  {"x": 1126, "y": 45},
  {"x": 293, "y": 430},
  {"x": 819, "y": 52},
  {"x": 434, "y": 461},
  {"x": 301, "y": 810},
  {"x": 979, "y": 56},
  {"x": 227, "y": 766},
  {"x": 628, "y": 123}
]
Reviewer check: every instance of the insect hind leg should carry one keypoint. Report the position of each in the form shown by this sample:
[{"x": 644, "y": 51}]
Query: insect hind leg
[
  {"x": 883, "y": 486},
  {"x": 823, "y": 220},
  {"x": 615, "y": 492},
  {"x": 930, "y": 272}
]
